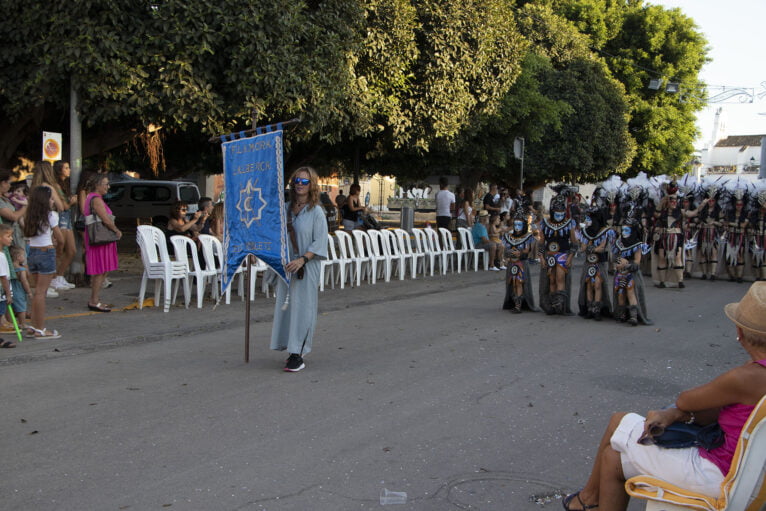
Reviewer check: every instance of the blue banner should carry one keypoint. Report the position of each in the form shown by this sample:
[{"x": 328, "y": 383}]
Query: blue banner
[{"x": 254, "y": 204}]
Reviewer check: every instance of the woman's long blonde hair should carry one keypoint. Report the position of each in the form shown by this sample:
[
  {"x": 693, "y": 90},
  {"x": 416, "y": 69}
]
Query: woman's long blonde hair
[
  {"x": 42, "y": 173},
  {"x": 313, "y": 186}
]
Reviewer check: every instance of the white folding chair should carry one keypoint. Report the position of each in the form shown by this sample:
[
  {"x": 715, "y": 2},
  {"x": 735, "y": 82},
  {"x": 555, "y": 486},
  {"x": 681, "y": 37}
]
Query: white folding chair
[
  {"x": 472, "y": 253},
  {"x": 392, "y": 244},
  {"x": 443, "y": 257},
  {"x": 327, "y": 265},
  {"x": 159, "y": 266},
  {"x": 405, "y": 247},
  {"x": 364, "y": 248},
  {"x": 379, "y": 249},
  {"x": 448, "y": 246},
  {"x": 421, "y": 247},
  {"x": 350, "y": 257},
  {"x": 186, "y": 252}
]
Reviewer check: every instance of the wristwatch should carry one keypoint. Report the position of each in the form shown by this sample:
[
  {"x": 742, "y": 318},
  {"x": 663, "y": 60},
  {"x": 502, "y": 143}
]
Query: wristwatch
[{"x": 305, "y": 259}]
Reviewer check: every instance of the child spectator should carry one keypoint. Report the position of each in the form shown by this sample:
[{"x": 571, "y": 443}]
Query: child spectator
[
  {"x": 41, "y": 226},
  {"x": 20, "y": 286},
  {"x": 6, "y": 297},
  {"x": 18, "y": 194}
]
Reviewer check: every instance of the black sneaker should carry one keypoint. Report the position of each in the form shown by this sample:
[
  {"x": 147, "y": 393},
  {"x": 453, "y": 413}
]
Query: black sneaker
[{"x": 294, "y": 363}]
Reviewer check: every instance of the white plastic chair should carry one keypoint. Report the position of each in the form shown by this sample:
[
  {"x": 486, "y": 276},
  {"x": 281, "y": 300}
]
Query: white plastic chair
[
  {"x": 159, "y": 266},
  {"x": 380, "y": 256},
  {"x": 742, "y": 489},
  {"x": 186, "y": 252},
  {"x": 421, "y": 247},
  {"x": 364, "y": 251},
  {"x": 327, "y": 265},
  {"x": 405, "y": 247},
  {"x": 472, "y": 253},
  {"x": 448, "y": 246},
  {"x": 345, "y": 263},
  {"x": 443, "y": 257},
  {"x": 350, "y": 257},
  {"x": 392, "y": 244}
]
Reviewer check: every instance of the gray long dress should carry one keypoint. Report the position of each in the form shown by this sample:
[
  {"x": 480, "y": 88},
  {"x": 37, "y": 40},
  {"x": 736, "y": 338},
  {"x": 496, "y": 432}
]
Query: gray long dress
[{"x": 293, "y": 328}]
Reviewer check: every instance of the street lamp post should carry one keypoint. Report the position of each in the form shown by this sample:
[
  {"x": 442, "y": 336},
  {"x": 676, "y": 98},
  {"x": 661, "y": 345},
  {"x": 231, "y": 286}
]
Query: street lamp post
[{"x": 518, "y": 151}]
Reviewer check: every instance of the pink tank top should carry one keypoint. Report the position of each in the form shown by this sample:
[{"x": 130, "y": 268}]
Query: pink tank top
[{"x": 731, "y": 418}]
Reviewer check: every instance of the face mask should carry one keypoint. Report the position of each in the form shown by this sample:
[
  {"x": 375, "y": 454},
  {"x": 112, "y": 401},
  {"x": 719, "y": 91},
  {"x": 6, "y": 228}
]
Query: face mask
[
  {"x": 519, "y": 226},
  {"x": 558, "y": 216},
  {"x": 626, "y": 231},
  {"x": 588, "y": 221}
]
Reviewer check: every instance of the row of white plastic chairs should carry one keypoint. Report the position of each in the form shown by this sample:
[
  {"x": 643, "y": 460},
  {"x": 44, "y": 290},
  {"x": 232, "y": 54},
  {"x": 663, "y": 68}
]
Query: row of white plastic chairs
[
  {"x": 373, "y": 254},
  {"x": 353, "y": 257},
  {"x": 186, "y": 269}
]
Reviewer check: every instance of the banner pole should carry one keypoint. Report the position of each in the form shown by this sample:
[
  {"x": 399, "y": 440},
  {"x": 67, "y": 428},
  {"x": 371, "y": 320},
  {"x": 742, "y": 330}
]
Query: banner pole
[{"x": 247, "y": 311}]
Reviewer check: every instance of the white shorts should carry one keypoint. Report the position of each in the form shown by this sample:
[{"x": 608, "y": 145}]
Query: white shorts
[{"x": 682, "y": 467}]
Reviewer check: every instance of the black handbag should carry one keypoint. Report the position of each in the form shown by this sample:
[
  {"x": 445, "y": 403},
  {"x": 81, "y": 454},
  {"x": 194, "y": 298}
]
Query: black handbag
[
  {"x": 98, "y": 233},
  {"x": 679, "y": 435}
]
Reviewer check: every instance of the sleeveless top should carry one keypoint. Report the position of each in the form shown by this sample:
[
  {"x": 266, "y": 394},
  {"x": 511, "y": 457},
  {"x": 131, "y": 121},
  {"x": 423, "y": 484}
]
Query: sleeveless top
[{"x": 731, "y": 418}]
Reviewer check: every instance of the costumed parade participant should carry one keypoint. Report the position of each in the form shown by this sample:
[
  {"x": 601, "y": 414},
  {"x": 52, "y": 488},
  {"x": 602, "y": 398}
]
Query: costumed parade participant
[
  {"x": 708, "y": 235},
  {"x": 686, "y": 188},
  {"x": 629, "y": 301},
  {"x": 595, "y": 239},
  {"x": 757, "y": 229},
  {"x": 734, "y": 219},
  {"x": 518, "y": 243},
  {"x": 559, "y": 247},
  {"x": 607, "y": 196},
  {"x": 669, "y": 242}
]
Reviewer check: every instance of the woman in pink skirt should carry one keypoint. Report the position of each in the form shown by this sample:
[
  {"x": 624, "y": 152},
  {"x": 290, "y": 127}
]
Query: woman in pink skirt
[{"x": 99, "y": 259}]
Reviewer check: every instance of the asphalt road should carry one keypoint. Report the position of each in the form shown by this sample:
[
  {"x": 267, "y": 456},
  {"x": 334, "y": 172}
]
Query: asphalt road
[{"x": 425, "y": 387}]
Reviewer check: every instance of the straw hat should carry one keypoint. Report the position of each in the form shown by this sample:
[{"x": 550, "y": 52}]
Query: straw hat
[
  {"x": 750, "y": 312},
  {"x": 483, "y": 213}
]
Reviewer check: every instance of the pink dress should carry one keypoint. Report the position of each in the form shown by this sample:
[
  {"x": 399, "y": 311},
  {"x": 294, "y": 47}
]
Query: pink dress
[
  {"x": 101, "y": 258},
  {"x": 731, "y": 418}
]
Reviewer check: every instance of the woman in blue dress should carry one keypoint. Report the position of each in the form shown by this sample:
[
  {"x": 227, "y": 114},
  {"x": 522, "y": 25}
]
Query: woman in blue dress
[{"x": 294, "y": 324}]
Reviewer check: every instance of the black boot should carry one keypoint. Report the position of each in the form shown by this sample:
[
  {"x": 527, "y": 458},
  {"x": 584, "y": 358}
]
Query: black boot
[
  {"x": 588, "y": 310},
  {"x": 633, "y": 315},
  {"x": 596, "y": 311},
  {"x": 516, "y": 305}
]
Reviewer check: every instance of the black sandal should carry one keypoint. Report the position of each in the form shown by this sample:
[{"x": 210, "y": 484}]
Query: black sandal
[
  {"x": 7, "y": 344},
  {"x": 569, "y": 498}
]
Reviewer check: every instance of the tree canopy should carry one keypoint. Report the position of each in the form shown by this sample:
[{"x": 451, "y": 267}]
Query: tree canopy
[{"x": 404, "y": 87}]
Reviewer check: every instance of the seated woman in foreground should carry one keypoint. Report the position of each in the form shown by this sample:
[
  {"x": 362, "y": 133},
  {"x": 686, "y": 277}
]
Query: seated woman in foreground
[{"x": 728, "y": 399}]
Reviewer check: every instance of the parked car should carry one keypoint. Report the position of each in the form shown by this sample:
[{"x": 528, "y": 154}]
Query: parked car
[{"x": 143, "y": 198}]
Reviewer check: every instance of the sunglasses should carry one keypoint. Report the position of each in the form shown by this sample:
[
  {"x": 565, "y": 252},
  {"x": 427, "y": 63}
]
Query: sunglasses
[{"x": 301, "y": 181}]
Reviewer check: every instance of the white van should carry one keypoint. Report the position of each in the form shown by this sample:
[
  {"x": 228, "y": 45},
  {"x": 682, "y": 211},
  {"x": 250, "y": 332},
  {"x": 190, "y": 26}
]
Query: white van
[{"x": 143, "y": 198}]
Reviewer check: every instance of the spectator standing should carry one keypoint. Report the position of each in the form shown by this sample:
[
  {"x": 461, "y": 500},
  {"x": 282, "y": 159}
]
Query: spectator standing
[
  {"x": 445, "y": 204},
  {"x": 20, "y": 286},
  {"x": 490, "y": 201},
  {"x": 64, "y": 252},
  {"x": 41, "y": 226},
  {"x": 494, "y": 232},
  {"x": 506, "y": 202},
  {"x": 481, "y": 238},
  {"x": 6, "y": 297},
  {"x": 9, "y": 214},
  {"x": 100, "y": 259}
]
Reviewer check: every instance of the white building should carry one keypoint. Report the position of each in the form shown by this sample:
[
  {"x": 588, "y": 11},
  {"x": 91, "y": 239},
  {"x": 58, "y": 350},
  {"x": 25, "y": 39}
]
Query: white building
[{"x": 731, "y": 154}]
